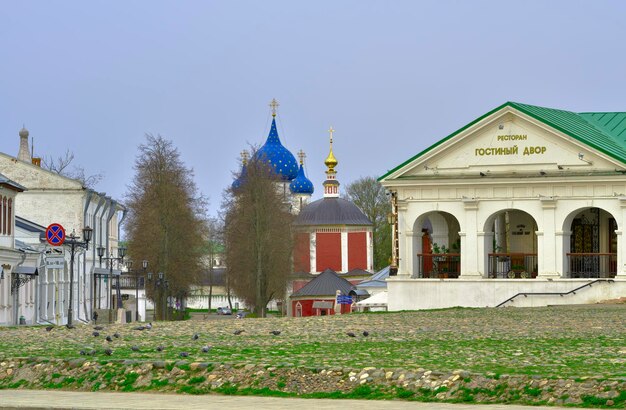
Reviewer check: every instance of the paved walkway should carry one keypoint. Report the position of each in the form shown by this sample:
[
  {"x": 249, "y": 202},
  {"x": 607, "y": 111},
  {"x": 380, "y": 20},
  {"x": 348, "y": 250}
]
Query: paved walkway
[{"x": 54, "y": 399}]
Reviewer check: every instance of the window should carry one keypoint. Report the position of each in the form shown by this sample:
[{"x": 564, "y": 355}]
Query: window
[
  {"x": 4, "y": 215},
  {"x": 10, "y": 219}
]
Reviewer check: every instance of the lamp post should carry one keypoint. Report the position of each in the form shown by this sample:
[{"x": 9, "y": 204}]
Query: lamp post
[
  {"x": 74, "y": 243},
  {"x": 162, "y": 284},
  {"x": 121, "y": 252},
  {"x": 144, "y": 265}
]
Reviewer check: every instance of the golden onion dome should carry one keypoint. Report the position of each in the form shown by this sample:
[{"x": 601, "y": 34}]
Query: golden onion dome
[{"x": 330, "y": 161}]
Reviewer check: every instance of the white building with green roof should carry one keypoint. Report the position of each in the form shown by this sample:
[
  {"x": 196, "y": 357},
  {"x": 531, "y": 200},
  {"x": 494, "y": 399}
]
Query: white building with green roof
[{"x": 524, "y": 200}]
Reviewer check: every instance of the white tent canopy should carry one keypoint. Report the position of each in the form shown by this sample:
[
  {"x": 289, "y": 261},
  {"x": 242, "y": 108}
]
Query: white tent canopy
[{"x": 377, "y": 300}]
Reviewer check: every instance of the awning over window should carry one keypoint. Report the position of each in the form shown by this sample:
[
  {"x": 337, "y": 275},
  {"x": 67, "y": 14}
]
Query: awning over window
[{"x": 26, "y": 270}]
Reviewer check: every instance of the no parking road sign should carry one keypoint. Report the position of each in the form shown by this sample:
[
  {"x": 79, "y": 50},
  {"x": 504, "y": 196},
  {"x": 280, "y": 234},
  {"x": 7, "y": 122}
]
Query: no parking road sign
[{"x": 55, "y": 234}]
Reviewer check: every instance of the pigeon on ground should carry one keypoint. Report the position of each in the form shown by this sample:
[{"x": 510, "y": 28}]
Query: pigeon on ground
[
  {"x": 108, "y": 352},
  {"x": 184, "y": 354},
  {"x": 275, "y": 332},
  {"x": 206, "y": 349},
  {"x": 238, "y": 331},
  {"x": 92, "y": 353},
  {"x": 116, "y": 335},
  {"x": 95, "y": 334},
  {"x": 149, "y": 326},
  {"x": 159, "y": 348},
  {"x": 134, "y": 349},
  {"x": 49, "y": 328},
  {"x": 139, "y": 328},
  {"x": 98, "y": 327},
  {"x": 366, "y": 333},
  {"x": 109, "y": 339},
  {"x": 351, "y": 334},
  {"x": 195, "y": 336},
  {"x": 82, "y": 353}
]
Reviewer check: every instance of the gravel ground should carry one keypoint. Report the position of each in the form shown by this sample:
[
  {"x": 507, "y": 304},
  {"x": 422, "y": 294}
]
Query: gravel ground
[{"x": 449, "y": 352}]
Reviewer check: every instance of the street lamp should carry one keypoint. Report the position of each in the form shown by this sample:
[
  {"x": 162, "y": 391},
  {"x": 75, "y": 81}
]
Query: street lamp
[
  {"x": 163, "y": 284},
  {"x": 74, "y": 243},
  {"x": 121, "y": 252}
]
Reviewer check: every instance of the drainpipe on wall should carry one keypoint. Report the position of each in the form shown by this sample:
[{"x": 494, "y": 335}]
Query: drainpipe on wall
[
  {"x": 89, "y": 195},
  {"x": 16, "y": 294}
]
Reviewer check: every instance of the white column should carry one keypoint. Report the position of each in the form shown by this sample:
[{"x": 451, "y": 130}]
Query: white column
[
  {"x": 414, "y": 240},
  {"x": 621, "y": 262},
  {"x": 405, "y": 247},
  {"x": 473, "y": 253},
  {"x": 547, "y": 255},
  {"x": 561, "y": 238},
  {"x": 483, "y": 248},
  {"x": 312, "y": 257},
  {"x": 344, "y": 251},
  {"x": 370, "y": 250},
  {"x": 621, "y": 243}
]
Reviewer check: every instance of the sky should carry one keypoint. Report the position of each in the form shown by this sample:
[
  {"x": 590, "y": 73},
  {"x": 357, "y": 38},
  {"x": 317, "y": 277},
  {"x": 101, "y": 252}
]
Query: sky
[{"x": 391, "y": 77}]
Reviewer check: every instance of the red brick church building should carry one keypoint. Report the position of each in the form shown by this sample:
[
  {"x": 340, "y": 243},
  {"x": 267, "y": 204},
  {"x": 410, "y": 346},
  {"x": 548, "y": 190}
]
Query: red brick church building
[{"x": 333, "y": 236}]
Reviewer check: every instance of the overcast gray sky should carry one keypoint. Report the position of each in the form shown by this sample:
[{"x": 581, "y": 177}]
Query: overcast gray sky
[{"x": 392, "y": 77}]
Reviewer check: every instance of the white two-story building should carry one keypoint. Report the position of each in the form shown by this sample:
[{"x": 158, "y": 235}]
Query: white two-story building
[{"x": 51, "y": 198}]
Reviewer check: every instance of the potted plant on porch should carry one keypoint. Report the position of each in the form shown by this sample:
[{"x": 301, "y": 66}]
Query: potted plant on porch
[
  {"x": 518, "y": 271},
  {"x": 440, "y": 260}
]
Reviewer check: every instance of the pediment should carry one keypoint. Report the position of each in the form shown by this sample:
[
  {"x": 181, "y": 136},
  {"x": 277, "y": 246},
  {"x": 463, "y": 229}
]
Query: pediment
[{"x": 507, "y": 142}]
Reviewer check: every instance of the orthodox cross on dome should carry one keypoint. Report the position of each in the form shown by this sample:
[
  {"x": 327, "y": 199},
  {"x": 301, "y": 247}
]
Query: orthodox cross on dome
[
  {"x": 274, "y": 105},
  {"x": 331, "y": 185},
  {"x": 244, "y": 157},
  {"x": 331, "y": 162},
  {"x": 301, "y": 156}
]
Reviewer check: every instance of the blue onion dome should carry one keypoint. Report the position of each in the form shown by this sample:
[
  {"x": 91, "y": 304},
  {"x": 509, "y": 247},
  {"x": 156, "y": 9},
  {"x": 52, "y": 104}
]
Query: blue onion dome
[
  {"x": 301, "y": 184},
  {"x": 282, "y": 161},
  {"x": 241, "y": 179}
]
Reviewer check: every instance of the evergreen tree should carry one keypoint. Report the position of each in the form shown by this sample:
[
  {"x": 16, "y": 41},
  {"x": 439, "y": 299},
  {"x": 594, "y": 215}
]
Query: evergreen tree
[{"x": 165, "y": 223}]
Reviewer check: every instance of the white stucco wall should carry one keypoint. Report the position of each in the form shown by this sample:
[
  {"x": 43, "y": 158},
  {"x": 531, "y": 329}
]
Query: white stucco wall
[
  {"x": 505, "y": 161},
  {"x": 411, "y": 294}
]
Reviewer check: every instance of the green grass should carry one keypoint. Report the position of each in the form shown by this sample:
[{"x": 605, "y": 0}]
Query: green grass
[{"x": 558, "y": 342}]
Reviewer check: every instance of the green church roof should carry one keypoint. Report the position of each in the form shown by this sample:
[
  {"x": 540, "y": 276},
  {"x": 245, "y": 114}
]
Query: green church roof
[{"x": 602, "y": 131}]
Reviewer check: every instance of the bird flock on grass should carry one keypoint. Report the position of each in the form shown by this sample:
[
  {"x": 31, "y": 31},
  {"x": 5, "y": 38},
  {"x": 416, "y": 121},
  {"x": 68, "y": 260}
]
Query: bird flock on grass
[{"x": 160, "y": 348}]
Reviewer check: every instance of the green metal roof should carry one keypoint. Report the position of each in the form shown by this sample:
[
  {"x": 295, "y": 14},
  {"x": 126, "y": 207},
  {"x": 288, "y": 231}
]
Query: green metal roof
[{"x": 602, "y": 131}]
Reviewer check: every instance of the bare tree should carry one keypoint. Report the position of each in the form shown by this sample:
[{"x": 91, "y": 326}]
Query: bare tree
[
  {"x": 258, "y": 238},
  {"x": 166, "y": 219},
  {"x": 61, "y": 165},
  {"x": 369, "y": 195}
]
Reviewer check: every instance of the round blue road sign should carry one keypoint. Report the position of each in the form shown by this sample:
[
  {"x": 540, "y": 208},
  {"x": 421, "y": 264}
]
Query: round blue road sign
[{"x": 55, "y": 234}]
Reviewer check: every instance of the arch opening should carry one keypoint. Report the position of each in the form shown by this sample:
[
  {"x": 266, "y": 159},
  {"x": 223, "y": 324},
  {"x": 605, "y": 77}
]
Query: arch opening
[
  {"x": 511, "y": 245},
  {"x": 437, "y": 245},
  {"x": 590, "y": 243}
]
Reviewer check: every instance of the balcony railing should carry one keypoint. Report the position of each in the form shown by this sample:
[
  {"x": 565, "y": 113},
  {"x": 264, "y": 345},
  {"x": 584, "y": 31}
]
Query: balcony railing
[
  {"x": 592, "y": 265},
  {"x": 512, "y": 265},
  {"x": 128, "y": 281},
  {"x": 439, "y": 265}
]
